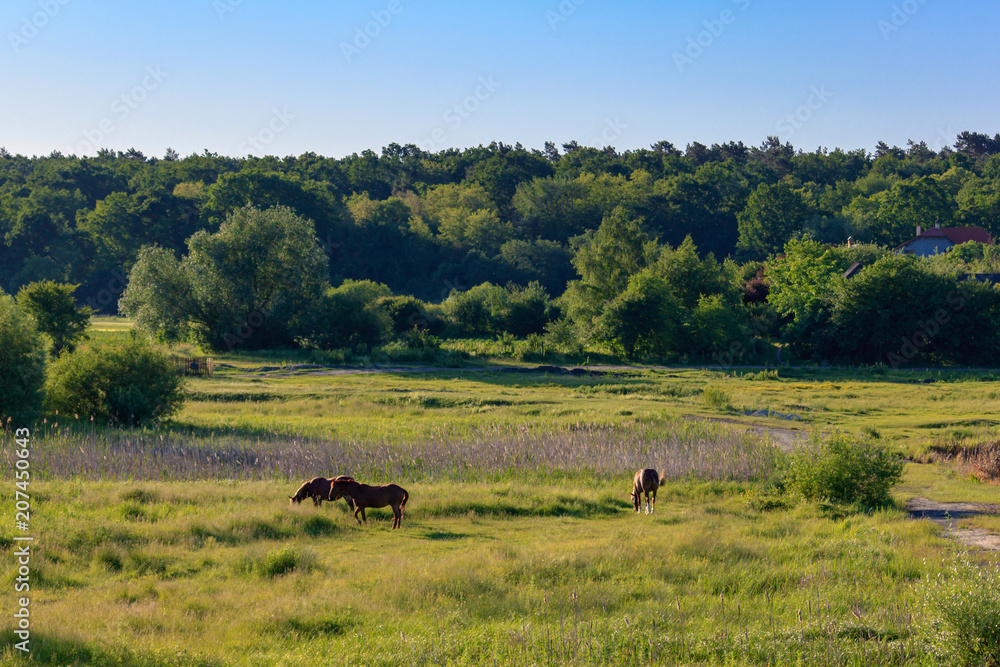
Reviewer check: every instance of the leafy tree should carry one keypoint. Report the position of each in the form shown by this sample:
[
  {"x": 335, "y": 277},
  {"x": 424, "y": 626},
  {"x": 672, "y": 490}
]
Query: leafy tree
[
  {"x": 348, "y": 316},
  {"x": 129, "y": 384},
  {"x": 250, "y": 284},
  {"x": 642, "y": 320},
  {"x": 801, "y": 286},
  {"x": 115, "y": 229},
  {"x": 772, "y": 214},
  {"x": 606, "y": 260},
  {"x": 22, "y": 365},
  {"x": 55, "y": 310}
]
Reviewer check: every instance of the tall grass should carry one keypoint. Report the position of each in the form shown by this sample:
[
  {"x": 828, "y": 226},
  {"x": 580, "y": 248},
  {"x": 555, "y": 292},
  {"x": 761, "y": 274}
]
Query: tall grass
[{"x": 679, "y": 450}]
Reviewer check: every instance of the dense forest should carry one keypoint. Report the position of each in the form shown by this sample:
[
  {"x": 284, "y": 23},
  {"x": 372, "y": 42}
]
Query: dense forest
[{"x": 599, "y": 229}]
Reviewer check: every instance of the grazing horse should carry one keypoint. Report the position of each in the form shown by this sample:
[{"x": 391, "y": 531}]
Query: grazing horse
[
  {"x": 646, "y": 481},
  {"x": 318, "y": 488},
  {"x": 364, "y": 496}
]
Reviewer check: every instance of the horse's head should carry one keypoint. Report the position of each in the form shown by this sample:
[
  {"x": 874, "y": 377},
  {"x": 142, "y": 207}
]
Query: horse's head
[
  {"x": 635, "y": 501},
  {"x": 336, "y": 491},
  {"x": 294, "y": 499}
]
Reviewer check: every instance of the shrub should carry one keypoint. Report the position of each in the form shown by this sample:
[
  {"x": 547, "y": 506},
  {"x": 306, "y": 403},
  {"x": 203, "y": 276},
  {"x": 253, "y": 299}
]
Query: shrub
[
  {"x": 348, "y": 317},
  {"x": 130, "y": 383},
  {"x": 717, "y": 398},
  {"x": 22, "y": 364},
  {"x": 846, "y": 471},
  {"x": 967, "y": 601}
]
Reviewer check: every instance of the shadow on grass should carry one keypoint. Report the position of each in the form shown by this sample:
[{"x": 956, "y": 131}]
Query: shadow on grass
[{"x": 49, "y": 649}]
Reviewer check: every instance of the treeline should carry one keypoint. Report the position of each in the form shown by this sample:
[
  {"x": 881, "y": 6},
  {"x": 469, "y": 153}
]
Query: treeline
[{"x": 425, "y": 224}]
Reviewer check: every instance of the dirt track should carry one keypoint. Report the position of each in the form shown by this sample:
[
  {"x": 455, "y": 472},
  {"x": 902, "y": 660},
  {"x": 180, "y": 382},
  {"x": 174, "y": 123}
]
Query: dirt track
[{"x": 945, "y": 514}]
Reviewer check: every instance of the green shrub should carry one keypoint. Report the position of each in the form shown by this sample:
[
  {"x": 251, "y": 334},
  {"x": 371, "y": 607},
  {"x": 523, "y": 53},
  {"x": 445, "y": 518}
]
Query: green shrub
[
  {"x": 717, "y": 398},
  {"x": 967, "y": 601},
  {"x": 22, "y": 364},
  {"x": 842, "y": 470},
  {"x": 130, "y": 383}
]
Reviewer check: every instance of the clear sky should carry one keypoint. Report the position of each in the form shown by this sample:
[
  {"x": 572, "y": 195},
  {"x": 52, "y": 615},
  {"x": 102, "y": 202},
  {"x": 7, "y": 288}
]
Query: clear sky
[{"x": 255, "y": 77}]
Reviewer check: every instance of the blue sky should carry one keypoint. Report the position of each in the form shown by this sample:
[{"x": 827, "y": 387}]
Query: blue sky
[{"x": 241, "y": 77}]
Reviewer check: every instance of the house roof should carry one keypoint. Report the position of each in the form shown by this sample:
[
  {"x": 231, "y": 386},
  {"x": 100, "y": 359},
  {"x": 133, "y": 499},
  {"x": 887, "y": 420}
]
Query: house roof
[{"x": 956, "y": 235}]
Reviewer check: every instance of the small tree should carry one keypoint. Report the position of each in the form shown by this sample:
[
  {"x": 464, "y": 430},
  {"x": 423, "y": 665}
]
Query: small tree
[
  {"x": 642, "y": 320},
  {"x": 22, "y": 364},
  {"x": 55, "y": 310},
  {"x": 128, "y": 384}
]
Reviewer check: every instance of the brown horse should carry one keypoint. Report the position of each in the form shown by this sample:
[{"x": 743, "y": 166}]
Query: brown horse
[
  {"x": 318, "y": 488},
  {"x": 364, "y": 496},
  {"x": 646, "y": 481}
]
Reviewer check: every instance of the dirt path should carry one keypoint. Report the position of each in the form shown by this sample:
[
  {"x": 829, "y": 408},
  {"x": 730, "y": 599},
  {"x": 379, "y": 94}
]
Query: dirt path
[{"x": 945, "y": 514}]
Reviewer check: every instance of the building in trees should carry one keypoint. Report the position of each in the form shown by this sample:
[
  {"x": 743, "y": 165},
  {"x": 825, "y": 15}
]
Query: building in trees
[{"x": 941, "y": 239}]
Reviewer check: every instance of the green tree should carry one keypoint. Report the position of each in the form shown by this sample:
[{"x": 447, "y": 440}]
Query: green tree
[
  {"x": 348, "y": 316},
  {"x": 22, "y": 365},
  {"x": 115, "y": 229},
  {"x": 606, "y": 260},
  {"x": 641, "y": 321},
  {"x": 55, "y": 310},
  {"x": 772, "y": 215},
  {"x": 251, "y": 284}
]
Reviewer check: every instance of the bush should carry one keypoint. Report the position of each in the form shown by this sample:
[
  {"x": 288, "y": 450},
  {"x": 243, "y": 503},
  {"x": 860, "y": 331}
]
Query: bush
[
  {"x": 22, "y": 364},
  {"x": 968, "y": 604},
  {"x": 844, "y": 471},
  {"x": 489, "y": 309},
  {"x": 129, "y": 384},
  {"x": 348, "y": 316}
]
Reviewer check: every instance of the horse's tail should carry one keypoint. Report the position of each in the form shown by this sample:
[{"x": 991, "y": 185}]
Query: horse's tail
[{"x": 402, "y": 503}]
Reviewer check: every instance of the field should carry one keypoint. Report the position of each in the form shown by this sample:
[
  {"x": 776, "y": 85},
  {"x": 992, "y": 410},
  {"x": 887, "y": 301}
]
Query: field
[{"x": 177, "y": 546}]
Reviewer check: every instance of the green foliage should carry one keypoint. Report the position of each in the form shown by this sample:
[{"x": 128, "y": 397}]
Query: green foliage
[
  {"x": 844, "y": 470},
  {"x": 489, "y": 309},
  {"x": 772, "y": 214},
  {"x": 348, "y": 316},
  {"x": 642, "y": 320},
  {"x": 606, "y": 260},
  {"x": 131, "y": 383},
  {"x": 405, "y": 312},
  {"x": 56, "y": 313},
  {"x": 717, "y": 398},
  {"x": 22, "y": 365},
  {"x": 967, "y": 601},
  {"x": 252, "y": 284}
]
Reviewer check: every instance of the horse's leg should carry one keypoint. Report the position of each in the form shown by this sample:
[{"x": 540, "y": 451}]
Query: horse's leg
[
  {"x": 654, "y": 502},
  {"x": 647, "y": 503},
  {"x": 397, "y": 516},
  {"x": 359, "y": 509},
  {"x": 363, "y": 517}
]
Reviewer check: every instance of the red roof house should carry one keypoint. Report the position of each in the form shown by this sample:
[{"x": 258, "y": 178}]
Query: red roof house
[{"x": 941, "y": 239}]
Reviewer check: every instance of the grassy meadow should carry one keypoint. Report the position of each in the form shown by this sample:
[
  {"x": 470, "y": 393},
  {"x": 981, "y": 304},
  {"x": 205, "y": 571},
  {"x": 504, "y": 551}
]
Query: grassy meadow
[{"x": 519, "y": 546}]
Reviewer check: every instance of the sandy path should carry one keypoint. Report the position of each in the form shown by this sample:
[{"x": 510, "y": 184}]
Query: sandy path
[{"x": 945, "y": 514}]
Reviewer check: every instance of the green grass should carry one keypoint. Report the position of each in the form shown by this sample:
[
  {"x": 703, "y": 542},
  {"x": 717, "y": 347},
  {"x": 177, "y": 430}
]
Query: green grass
[
  {"x": 539, "y": 562},
  {"x": 229, "y": 574}
]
